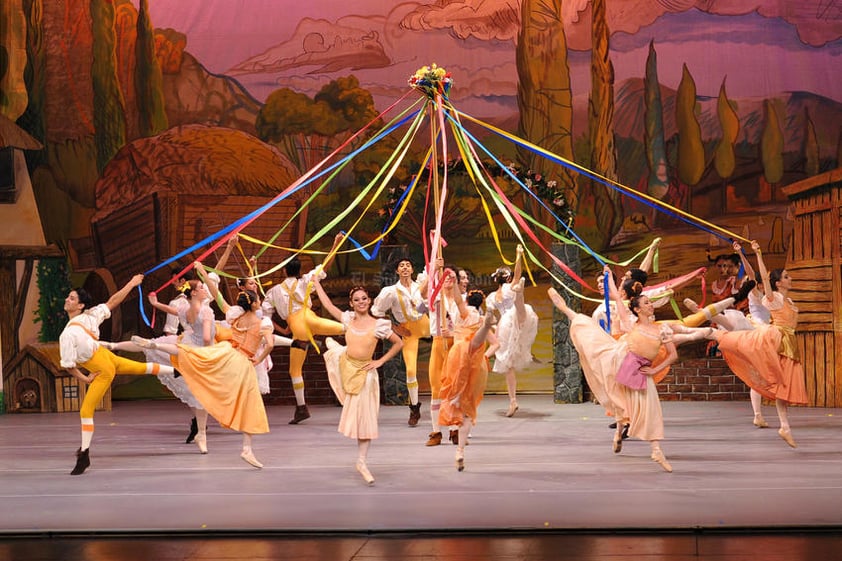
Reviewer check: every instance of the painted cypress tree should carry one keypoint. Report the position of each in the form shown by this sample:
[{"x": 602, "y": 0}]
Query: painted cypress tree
[
  {"x": 724, "y": 158},
  {"x": 810, "y": 146},
  {"x": 148, "y": 80},
  {"x": 607, "y": 205},
  {"x": 772, "y": 145},
  {"x": 656, "y": 150},
  {"x": 691, "y": 151},
  {"x": 109, "y": 105}
]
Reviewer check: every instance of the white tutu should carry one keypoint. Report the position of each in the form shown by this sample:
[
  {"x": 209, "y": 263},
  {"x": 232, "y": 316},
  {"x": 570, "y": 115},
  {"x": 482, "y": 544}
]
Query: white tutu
[
  {"x": 516, "y": 340},
  {"x": 178, "y": 386}
]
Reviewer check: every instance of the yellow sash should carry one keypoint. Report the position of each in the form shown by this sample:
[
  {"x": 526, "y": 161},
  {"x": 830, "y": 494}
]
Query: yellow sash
[
  {"x": 353, "y": 374},
  {"x": 788, "y": 346}
]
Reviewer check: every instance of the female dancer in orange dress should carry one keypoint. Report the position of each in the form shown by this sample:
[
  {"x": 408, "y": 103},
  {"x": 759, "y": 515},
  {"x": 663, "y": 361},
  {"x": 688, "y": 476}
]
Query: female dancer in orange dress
[
  {"x": 466, "y": 368},
  {"x": 222, "y": 375},
  {"x": 352, "y": 371},
  {"x": 767, "y": 358}
]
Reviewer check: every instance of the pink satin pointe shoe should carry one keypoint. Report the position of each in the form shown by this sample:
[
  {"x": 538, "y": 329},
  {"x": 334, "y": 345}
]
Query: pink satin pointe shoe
[
  {"x": 460, "y": 460},
  {"x": 658, "y": 457},
  {"x": 363, "y": 469},
  {"x": 201, "y": 441},
  {"x": 760, "y": 422},
  {"x": 786, "y": 434},
  {"x": 513, "y": 407},
  {"x": 248, "y": 457},
  {"x": 144, "y": 343},
  {"x": 617, "y": 445}
]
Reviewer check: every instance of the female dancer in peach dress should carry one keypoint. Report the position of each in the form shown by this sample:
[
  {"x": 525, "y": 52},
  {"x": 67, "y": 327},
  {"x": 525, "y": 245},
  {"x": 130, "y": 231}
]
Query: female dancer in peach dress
[
  {"x": 353, "y": 373},
  {"x": 222, "y": 375},
  {"x": 620, "y": 371},
  {"x": 767, "y": 358},
  {"x": 466, "y": 369}
]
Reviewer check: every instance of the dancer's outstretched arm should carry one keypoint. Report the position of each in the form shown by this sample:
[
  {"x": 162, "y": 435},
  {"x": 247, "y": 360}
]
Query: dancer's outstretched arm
[
  {"x": 761, "y": 266},
  {"x": 117, "y": 298},
  {"x": 212, "y": 288},
  {"x": 153, "y": 299},
  {"x": 327, "y": 304}
]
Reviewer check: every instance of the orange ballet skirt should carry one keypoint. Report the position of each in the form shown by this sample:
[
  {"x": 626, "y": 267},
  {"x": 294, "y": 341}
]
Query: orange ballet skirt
[
  {"x": 766, "y": 358},
  {"x": 465, "y": 375},
  {"x": 223, "y": 380}
]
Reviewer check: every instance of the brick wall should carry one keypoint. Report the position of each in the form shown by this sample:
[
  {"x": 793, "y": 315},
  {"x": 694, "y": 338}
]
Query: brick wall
[
  {"x": 316, "y": 386},
  {"x": 702, "y": 379}
]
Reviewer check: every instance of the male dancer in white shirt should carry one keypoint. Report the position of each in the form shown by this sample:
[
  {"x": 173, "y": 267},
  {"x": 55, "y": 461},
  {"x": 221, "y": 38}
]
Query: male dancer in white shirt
[
  {"x": 402, "y": 300},
  {"x": 80, "y": 347}
]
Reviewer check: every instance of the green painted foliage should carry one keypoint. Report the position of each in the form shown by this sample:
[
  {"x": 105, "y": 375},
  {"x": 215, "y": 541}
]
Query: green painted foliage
[
  {"x": 109, "y": 105},
  {"x": 149, "y": 81},
  {"x": 54, "y": 285},
  {"x": 656, "y": 151}
]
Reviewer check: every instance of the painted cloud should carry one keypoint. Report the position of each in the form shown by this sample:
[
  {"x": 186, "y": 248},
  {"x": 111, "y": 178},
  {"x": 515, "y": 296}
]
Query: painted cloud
[{"x": 817, "y": 21}]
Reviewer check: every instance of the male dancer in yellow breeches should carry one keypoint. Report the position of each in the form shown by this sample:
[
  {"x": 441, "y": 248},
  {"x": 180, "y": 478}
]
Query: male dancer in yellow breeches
[
  {"x": 80, "y": 347},
  {"x": 402, "y": 299}
]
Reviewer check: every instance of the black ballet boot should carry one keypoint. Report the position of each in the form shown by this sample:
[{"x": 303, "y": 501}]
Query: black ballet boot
[
  {"x": 301, "y": 413},
  {"x": 83, "y": 461},
  {"x": 194, "y": 430},
  {"x": 414, "y": 414}
]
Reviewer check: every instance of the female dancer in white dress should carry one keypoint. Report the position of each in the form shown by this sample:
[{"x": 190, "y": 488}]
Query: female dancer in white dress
[
  {"x": 516, "y": 328},
  {"x": 353, "y": 372}
]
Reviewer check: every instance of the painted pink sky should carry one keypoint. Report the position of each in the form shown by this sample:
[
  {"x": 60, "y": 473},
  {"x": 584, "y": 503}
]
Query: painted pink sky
[{"x": 759, "y": 53}]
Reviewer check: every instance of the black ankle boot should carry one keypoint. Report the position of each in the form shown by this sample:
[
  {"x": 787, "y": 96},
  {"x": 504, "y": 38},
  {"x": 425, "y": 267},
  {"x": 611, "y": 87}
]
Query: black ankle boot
[
  {"x": 194, "y": 430},
  {"x": 83, "y": 461},
  {"x": 414, "y": 414},
  {"x": 301, "y": 413}
]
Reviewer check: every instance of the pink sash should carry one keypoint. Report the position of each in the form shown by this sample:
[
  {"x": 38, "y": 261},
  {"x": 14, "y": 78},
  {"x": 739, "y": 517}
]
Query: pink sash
[{"x": 629, "y": 374}]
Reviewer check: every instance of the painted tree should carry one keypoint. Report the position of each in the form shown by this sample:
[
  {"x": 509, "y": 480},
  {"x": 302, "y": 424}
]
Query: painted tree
[
  {"x": 109, "y": 105},
  {"x": 724, "y": 158},
  {"x": 658, "y": 181},
  {"x": 148, "y": 80},
  {"x": 810, "y": 146},
  {"x": 53, "y": 280},
  {"x": 772, "y": 145},
  {"x": 545, "y": 98},
  {"x": 12, "y": 59},
  {"x": 305, "y": 129},
  {"x": 691, "y": 151},
  {"x": 607, "y": 205},
  {"x": 32, "y": 120}
]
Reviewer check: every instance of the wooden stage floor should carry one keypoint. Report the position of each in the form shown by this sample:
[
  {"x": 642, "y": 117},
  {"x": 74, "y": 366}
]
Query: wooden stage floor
[{"x": 544, "y": 476}]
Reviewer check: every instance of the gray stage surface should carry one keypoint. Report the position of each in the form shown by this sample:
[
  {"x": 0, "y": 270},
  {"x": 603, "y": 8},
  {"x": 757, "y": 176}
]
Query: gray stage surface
[{"x": 550, "y": 467}]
